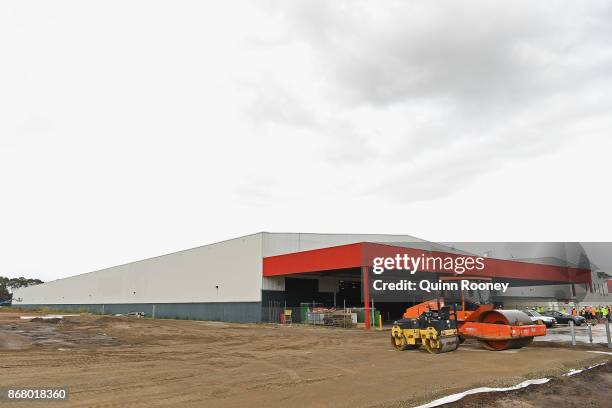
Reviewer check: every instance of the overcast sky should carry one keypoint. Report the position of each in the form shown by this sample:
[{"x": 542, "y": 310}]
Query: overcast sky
[{"x": 129, "y": 129}]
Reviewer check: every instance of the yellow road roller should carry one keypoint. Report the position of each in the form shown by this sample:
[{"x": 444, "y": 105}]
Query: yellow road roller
[{"x": 433, "y": 329}]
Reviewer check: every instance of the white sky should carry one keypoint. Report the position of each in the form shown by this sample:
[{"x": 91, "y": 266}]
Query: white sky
[{"x": 129, "y": 129}]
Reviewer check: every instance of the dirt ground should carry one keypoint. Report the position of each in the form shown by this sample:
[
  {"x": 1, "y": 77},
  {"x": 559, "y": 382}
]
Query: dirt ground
[
  {"x": 590, "y": 388},
  {"x": 138, "y": 362}
]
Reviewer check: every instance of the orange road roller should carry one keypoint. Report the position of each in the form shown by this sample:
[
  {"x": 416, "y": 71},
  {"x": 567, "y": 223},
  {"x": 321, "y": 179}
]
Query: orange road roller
[{"x": 495, "y": 329}]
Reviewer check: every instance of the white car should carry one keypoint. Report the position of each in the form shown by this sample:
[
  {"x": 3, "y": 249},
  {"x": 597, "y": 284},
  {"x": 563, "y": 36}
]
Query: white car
[{"x": 538, "y": 318}]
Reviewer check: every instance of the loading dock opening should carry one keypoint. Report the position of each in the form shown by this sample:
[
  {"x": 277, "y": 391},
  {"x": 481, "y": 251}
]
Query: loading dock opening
[{"x": 342, "y": 288}]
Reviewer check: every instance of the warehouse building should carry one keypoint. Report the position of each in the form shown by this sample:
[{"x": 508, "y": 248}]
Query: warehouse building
[{"x": 235, "y": 280}]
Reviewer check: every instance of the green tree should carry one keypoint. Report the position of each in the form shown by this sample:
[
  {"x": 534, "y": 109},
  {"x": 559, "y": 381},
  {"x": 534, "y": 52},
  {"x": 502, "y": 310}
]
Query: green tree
[
  {"x": 9, "y": 284},
  {"x": 4, "y": 293}
]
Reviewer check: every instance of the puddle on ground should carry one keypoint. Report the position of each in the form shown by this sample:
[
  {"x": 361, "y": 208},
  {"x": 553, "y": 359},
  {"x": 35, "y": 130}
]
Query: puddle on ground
[{"x": 15, "y": 337}]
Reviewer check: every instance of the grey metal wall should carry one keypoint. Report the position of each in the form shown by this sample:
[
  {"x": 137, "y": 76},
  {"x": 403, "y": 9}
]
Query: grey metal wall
[
  {"x": 228, "y": 271},
  {"x": 245, "y": 312},
  {"x": 220, "y": 281}
]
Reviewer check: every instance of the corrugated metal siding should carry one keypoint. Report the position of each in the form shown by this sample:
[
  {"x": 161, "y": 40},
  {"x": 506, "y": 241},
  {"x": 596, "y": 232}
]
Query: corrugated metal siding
[{"x": 229, "y": 271}]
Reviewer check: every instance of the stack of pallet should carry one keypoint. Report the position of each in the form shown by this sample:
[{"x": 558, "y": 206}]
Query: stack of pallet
[{"x": 338, "y": 318}]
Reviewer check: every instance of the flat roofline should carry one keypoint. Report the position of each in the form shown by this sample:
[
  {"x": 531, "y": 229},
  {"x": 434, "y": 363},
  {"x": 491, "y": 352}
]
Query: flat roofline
[{"x": 216, "y": 243}]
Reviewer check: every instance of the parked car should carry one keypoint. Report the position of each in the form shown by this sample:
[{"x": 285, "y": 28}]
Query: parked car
[
  {"x": 540, "y": 319},
  {"x": 564, "y": 318}
]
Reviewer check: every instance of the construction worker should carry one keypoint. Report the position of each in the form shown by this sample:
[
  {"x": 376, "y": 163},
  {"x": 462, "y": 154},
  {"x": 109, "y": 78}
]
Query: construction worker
[
  {"x": 574, "y": 312},
  {"x": 599, "y": 312},
  {"x": 604, "y": 312},
  {"x": 587, "y": 313},
  {"x": 564, "y": 309},
  {"x": 594, "y": 313}
]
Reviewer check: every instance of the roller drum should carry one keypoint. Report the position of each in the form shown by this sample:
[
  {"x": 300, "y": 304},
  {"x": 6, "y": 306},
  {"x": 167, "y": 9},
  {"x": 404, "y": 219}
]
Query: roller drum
[
  {"x": 507, "y": 317},
  {"x": 510, "y": 318},
  {"x": 449, "y": 344},
  {"x": 446, "y": 344}
]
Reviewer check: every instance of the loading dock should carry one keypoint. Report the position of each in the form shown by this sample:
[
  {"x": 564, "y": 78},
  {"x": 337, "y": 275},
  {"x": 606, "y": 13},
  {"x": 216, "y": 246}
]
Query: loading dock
[{"x": 317, "y": 277}]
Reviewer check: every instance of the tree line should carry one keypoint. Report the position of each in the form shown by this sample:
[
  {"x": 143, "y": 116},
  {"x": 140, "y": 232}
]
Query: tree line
[{"x": 9, "y": 284}]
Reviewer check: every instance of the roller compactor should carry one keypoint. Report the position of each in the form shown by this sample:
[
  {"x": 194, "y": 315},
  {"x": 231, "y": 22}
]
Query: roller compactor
[
  {"x": 435, "y": 330},
  {"x": 495, "y": 329}
]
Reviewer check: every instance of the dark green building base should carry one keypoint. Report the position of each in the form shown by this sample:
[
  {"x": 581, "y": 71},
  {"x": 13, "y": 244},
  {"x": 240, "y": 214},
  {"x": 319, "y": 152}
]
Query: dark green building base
[{"x": 245, "y": 312}]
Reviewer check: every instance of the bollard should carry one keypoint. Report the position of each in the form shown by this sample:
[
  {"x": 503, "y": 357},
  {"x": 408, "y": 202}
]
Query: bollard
[
  {"x": 590, "y": 333},
  {"x": 373, "y": 317},
  {"x": 573, "y": 332},
  {"x": 608, "y": 334}
]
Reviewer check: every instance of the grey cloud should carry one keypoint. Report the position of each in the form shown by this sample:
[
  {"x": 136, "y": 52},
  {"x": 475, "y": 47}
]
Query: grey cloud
[
  {"x": 467, "y": 52},
  {"x": 458, "y": 168},
  {"x": 273, "y": 104},
  {"x": 499, "y": 82}
]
